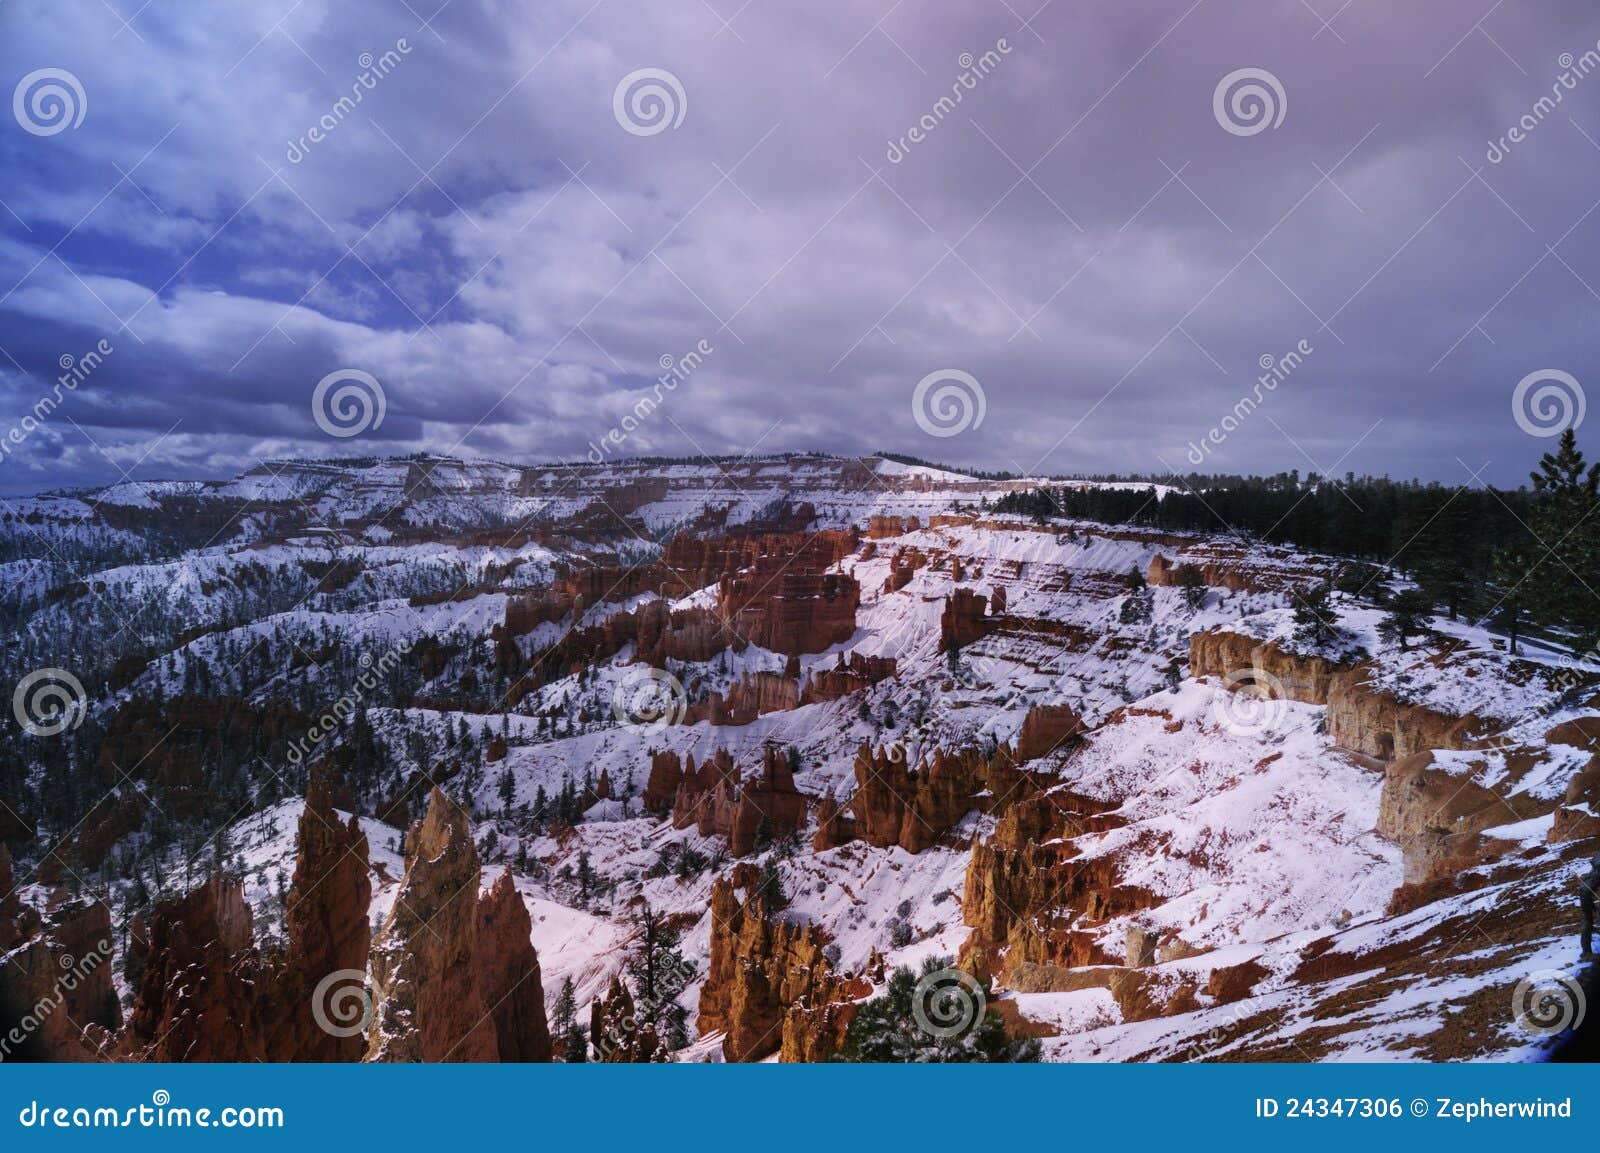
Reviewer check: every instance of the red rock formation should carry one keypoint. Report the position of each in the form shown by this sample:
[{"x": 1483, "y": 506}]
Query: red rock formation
[
  {"x": 325, "y": 920},
  {"x": 717, "y": 802},
  {"x": 963, "y": 620},
  {"x": 753, "y": 695},
  {"x": 55, "y": 979},
  {"x": 197, "y": 999},
  {"x": 1047, "y": 729},
  {"x": 765, "y": 981},
  {"x": 902, "y": 567},
  {"x": 661, "y": 787},
  {"x": 424, "y": 974},
  {"x": 914, "y": 807},
  {"x": 1028, "y": 900},
  {"x": 790, "y": 611},
  {"x": 616, "y": 1034},
  {"x": 852, "y": 675},
  {"x": 508, "y": 974},
  {"x": 834, "y": 826}
]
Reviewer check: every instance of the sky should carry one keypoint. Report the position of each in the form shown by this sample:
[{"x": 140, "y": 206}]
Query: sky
[{"x": 598, "y": 228}]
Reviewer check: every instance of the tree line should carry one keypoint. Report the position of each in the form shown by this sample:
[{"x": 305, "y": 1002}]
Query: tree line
[{"x": 1515, "y": 558}]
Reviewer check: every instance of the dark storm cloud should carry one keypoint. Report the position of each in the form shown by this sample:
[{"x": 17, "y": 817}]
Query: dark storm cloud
[{"x": 1078, "y": 233}]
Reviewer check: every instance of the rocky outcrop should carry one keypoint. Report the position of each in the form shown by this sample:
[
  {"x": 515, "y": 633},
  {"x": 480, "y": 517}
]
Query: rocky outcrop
[
  {"x": 717, "y": 801},
  {"x": 198, "y": 997},
  {"x": 768, "y": 985},
  {"x": 835, "y": 826},
  {"x": 788, "y": 611},
  {"x": 1309, "y": 680},
  {"x": 325, "y": 920},
  {"x": 751, "y": 696},
  {"x": 1048, "y": 729},
  {"x": 964, "y": 619},
  {"x": 661, "y": 786},
  {"x": 1361, "y": 717},
  {"x": 616, "y": 1034},
  {"x": 1368, "y": 721},
  {"x": 508, "y": 974},
  {"x": 56, "y": 990},
  {"x": 428, "y": 1004},
  {"x": 895, "y": 804},
  {"x": 850, "y": 675},
  {"x": 1028, "y": 898},
  {"x": 1257, "y": 569}
]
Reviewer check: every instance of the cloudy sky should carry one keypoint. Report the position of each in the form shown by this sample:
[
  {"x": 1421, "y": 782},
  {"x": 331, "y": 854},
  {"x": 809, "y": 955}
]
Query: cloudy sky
[{"x": 533, "y": 204}]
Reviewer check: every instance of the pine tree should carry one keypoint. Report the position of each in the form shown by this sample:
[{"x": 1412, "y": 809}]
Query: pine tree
[
  {"x": 1567, "y": 542},
  {"x": 1409, "y": 613},
  {"x": 1510, "y": 592},
  {"x": 659, "y": 973},
  {"x": 886, "y": 1027},
  {"x": 564, "y": 1013},
  {"x": 1193, "y": 583},
  {"x": 585, "y": 878},
  {"x": 1315, "y": 619}
]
